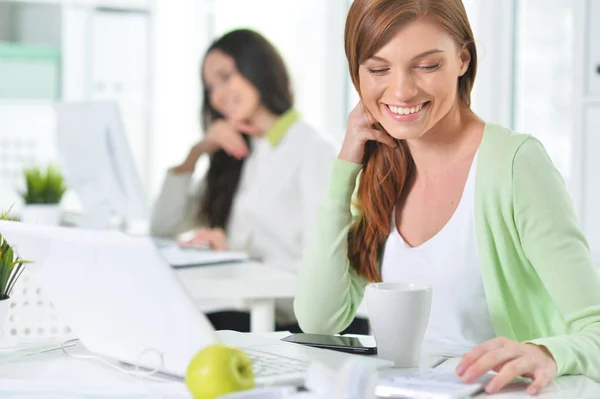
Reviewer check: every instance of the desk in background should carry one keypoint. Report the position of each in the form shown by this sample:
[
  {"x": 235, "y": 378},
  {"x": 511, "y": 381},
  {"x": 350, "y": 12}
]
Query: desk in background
[{"x": 249, "y": 285}]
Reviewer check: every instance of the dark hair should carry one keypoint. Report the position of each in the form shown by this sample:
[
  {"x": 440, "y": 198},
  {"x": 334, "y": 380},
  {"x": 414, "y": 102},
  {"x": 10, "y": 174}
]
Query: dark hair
[
  {"x": 385, "y": 170},
  {"x": 259, "y": 62}
]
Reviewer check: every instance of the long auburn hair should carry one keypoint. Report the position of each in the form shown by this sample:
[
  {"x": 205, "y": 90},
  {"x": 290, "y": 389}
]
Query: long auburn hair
[
  {"x": 259, "y": 62},
  {"x": 386, "y": 171}
]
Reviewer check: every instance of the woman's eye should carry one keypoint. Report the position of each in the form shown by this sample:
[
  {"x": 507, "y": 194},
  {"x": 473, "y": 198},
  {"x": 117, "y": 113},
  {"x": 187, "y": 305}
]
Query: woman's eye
[
  {"x": 429, "y": 68},
  {"x": 225, "y": 76},
  {"x": 378, "y": 71}
]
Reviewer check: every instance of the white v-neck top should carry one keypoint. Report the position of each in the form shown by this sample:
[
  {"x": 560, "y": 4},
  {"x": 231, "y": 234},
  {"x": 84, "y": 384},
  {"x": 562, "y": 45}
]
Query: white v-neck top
[{"x": 449, "y": 262}]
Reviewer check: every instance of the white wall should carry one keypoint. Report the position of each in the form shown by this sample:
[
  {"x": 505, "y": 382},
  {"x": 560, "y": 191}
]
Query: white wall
[
  {"x": 180, "y": 35},
  {"x": 493, "y": 23},
  {"x": 76, "y": 54}
]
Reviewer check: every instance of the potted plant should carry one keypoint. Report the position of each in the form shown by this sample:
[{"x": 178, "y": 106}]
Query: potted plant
[
  {"x": 11, "y": 268},
  {"x": 44, "y": 190}
]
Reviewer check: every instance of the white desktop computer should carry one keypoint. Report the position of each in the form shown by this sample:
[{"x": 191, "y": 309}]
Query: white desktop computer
[{"x": 99, "y": 167}]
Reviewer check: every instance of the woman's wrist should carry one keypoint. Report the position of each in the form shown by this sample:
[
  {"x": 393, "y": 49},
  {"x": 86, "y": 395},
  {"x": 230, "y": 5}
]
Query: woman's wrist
[
  {"x": 182, "y": 169},
  {"x": 189, "y": 165},
  {"x": 352, "y": 154}
]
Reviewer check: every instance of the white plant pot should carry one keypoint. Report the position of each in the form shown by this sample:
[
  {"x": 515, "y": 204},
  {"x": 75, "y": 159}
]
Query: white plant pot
[{"x": 48, "y": 214}]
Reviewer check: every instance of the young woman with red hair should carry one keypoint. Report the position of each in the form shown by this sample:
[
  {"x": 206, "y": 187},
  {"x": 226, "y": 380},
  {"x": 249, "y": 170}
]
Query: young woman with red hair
[{"x": 442, "y": 197}]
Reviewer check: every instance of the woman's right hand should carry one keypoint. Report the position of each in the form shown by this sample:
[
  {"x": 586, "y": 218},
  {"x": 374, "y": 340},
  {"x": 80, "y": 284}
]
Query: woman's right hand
[
  {"x": 358, "y": 132},
  {"x": 228, "y": 136},
  {"x": 221, "y": 134},
  {"x": 216, "y": 239}
]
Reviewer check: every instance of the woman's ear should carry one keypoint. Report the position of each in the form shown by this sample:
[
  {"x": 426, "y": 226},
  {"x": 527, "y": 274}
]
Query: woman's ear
[{"x": 465, "y": 58}]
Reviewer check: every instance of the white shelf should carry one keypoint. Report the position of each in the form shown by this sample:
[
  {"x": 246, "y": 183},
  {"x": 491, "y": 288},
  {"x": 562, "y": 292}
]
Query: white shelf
[{"x": 134, "y": 5}]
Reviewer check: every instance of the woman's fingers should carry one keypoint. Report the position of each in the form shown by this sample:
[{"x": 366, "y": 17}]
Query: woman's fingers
[
  {"x": 200, "y": 238},
  {"x": 214, "y": 238},
  {"x": 473, "y": 356},
  {"x": 491, "y": 360},
  {"x": 245, "y": 127},
  {"x": 382, "y": 137},
  {"x": 235, "y": 145},
  {"x": 509, "y": 372},
  {"x": 541, "y": 379}
]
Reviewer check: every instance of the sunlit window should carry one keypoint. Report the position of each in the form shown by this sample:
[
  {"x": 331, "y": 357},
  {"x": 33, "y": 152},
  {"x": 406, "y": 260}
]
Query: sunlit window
[{"x": 543, "y": 81}]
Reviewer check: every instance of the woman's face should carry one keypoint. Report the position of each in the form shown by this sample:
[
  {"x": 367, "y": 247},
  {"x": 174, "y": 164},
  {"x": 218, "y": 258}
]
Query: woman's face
[
  {"x": 411, "y": 83},
  {"x": 230, "y": 93}
]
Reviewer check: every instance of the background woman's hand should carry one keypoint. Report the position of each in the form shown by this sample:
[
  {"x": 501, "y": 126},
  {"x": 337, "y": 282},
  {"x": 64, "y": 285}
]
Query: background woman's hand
[
  {"x": 510, "y": 360},
  {"x": 228, "y": 136},
  {"x": 214, "y": 238},
  {"x": 359, "y": 131},
  {"x": 222, "y": 134}
]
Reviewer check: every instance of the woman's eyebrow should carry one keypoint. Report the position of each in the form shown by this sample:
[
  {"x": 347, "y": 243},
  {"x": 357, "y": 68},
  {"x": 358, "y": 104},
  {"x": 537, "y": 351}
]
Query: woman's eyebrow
[{"x": 421, "y": 55}]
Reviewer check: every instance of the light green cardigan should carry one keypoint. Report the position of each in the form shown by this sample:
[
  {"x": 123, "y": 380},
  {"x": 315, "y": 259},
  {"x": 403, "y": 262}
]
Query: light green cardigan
[{"x": 539, "y": 280}]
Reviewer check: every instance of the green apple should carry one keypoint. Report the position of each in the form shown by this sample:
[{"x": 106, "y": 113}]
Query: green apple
[{"x": 218, "y": 370}]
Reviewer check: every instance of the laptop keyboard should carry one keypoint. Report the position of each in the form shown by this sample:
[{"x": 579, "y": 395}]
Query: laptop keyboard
[
  {"x": 432, "y": 383},
  {"x": 269, "y": 365}
]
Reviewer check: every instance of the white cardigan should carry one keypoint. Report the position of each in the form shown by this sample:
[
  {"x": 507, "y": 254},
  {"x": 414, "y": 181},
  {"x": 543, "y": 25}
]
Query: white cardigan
[{"x": 275, "y": 205}]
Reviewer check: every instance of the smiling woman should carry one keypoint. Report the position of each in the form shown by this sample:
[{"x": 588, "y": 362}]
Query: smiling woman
[{"x": 424, "y": 191}]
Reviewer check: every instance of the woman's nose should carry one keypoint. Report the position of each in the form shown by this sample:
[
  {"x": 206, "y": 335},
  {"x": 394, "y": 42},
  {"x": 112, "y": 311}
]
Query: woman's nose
[
  {"x": 403, "y": 87},
  {"x": 219, "y": 96}
]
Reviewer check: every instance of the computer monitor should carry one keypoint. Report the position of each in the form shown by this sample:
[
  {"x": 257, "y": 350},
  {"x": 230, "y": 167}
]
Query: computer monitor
[{"x": 98, "y": 164}]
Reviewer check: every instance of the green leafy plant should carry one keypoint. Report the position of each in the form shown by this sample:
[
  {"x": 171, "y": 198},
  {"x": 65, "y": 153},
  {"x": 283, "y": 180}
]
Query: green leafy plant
[
  {"x": 11, "y": 266},
  {"x": 43, "y": 186}
]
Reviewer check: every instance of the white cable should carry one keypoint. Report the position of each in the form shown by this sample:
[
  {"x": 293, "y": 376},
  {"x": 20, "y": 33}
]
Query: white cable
[{"x": 136, "y": 373}]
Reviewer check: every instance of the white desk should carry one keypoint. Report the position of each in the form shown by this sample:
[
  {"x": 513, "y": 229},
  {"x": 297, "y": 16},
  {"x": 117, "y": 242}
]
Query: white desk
[
  {"x": 85, "y": 379},
  {"x": 256, "y": 285},
  {"x": 249, "y": 285}
]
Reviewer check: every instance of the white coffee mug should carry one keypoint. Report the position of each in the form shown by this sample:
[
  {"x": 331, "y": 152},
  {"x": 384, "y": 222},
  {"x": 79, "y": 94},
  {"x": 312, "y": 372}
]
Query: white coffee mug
[{"x": 398, "y": 314}]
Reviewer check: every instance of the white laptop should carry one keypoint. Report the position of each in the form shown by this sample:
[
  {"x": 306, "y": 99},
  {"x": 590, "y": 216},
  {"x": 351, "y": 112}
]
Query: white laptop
[{"x": 124, "y": 302}]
